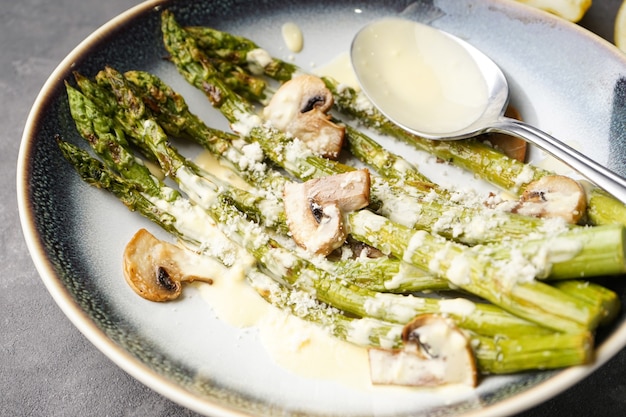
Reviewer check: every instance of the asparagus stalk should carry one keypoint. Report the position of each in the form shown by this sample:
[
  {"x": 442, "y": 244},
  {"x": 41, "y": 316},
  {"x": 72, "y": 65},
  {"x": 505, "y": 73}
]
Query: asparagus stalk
[
  {"x": 479, "y": 274},
  {"x": 96, "y": 174},
  {"x": 102, "y": 133},
  {"x": 365, "y": 332},
  {"x": 389, "y": 165},
  {"x": 605, "y": 300},
  {"x": 172, "y": 113},
  {"x": 555, "y": 351},
  {"x": 592, "y": 260},
  {"x": 240, "y": 51}
]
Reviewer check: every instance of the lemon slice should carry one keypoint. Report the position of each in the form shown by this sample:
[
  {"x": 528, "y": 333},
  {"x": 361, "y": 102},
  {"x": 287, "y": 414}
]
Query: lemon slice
[
  {"x": 572, "y": 10},
  {"x": 620, "y": 27}
]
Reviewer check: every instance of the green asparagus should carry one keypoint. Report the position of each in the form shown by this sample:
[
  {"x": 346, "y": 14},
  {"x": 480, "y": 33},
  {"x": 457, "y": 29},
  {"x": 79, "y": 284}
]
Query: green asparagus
[
  {"x": 473, "y": 155},
  {"x": 492, "y": 354},
  {"x": 509, "y": 284},
  {"x": 593, "y": 259}
]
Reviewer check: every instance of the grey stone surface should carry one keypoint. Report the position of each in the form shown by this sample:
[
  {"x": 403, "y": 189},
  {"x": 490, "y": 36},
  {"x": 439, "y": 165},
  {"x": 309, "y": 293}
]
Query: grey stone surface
[{"x": 48, "y": 367}]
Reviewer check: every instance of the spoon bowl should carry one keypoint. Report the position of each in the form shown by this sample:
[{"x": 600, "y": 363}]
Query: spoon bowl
[{"x": 437, "y": 86}]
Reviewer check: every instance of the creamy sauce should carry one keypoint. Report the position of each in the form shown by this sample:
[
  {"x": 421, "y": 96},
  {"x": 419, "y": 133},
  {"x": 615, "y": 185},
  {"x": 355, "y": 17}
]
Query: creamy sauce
[
  {"x": 207, "y": 161},
  {"x": 230, "y": 296},
  {"x": 295, "y": 345},
  {"x": 307, "y": 350},
  {"x": 419, "y": 76},
  {"x": 340, "y": 69},
  {"x": 292, "y": 36}
]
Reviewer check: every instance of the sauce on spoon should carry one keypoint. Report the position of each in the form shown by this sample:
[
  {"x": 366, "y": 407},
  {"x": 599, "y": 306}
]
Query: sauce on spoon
[{"x": 421, "y": 77}]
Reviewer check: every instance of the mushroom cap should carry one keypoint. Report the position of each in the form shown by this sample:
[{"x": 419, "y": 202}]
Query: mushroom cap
[
  {"x": 349, "y": 190},
  {"x": 299, "y": 108},
  {"x": 151, "y": 269},
  {"x": 318, "y": 132},
  {"x": 435, "y": 353},
  {"x": 554, "y": 196}
]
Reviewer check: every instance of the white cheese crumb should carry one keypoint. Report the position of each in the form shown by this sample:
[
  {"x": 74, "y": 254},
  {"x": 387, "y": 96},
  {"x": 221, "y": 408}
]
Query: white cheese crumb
[
  {"x": 257, "y": 60},
  {"x": 458, "y": 306},
  {"x": 459, "y": 271},
  {"x": 417, "y": 240},
  {"x": 525, "y": 176},
  {"x": 245, "y": 123}
]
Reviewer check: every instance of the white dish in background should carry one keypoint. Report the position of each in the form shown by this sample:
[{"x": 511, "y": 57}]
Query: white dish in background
[{"x": 76, "y": 234}]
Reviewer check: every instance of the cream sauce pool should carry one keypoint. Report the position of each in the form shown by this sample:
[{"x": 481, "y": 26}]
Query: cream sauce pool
[{"x": 296, "y": 345}]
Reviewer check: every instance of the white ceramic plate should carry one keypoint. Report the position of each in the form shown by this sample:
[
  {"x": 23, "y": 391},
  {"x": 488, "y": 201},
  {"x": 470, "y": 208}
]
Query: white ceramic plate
[{"x": 564, "y": 80}]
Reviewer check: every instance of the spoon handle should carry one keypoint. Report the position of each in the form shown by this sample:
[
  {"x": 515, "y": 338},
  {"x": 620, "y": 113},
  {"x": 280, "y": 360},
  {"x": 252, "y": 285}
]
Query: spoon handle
[{"x": 601, "y": 176}]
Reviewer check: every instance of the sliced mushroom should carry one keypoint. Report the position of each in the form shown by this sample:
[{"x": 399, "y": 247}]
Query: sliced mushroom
[
  {"x": 350, "y": 190},
  {"x": 512, "y": 146},
  {"x": 554, "y": 196},
  {"x": 153, "y": 267},
  {"x": 315, "y": 209},
  {"x": 300, "y": 107},
  {"x": 435, "y": 353}
]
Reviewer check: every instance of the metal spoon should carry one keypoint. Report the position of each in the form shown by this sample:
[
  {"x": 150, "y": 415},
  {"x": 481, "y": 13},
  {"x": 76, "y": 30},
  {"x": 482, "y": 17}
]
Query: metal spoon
[{"x": 371, "y": 66}]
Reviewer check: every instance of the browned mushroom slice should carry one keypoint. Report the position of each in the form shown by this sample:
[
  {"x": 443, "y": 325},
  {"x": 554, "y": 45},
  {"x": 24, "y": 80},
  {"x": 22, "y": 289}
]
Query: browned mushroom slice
[
  {"x": 300, "y": 107},
  {"x": 554, "y": 196},
  {"x": 318, "y": 229},
  {"x": 435, "y": 353},
  {"x": 511, "y": 146},
  {"x": 153, "y": 267},
  {"x": 315, "y": 209},
  {"x": 350, "y": 190}
]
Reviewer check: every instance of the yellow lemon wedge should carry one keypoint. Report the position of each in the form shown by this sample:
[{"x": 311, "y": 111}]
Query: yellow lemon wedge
[
  {"x": 619, "y": 33},
  {"x": 572, "y": 10}
]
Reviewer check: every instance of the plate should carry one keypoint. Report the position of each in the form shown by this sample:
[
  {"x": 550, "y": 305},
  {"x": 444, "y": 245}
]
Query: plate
[{"x": 76, "y": 234}]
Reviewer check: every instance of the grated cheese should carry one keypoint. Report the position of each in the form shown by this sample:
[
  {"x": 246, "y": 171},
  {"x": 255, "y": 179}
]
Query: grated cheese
[
  {"x": 245, "y": 122},
  {"x": 388, "y": 304},
  {"x": 458, "y": 306},
  {"x": 459, "y": 271},
  {"x": 525, "y": 176},
  {"x": 257, "y": 60}
]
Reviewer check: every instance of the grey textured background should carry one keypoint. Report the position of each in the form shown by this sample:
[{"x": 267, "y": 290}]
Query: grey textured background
[{"x": 48, "y": 367}]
